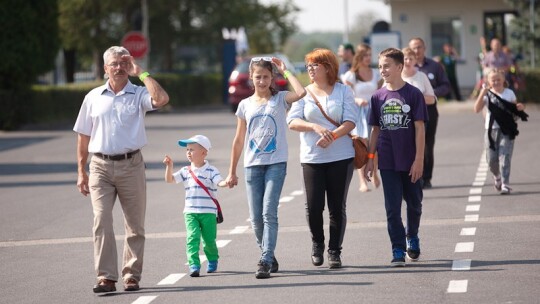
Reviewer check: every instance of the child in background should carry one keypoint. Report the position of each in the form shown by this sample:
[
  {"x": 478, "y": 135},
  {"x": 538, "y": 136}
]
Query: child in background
[
  {"x": 200, "y": 209},
  {"x": 500, "y": 125}
]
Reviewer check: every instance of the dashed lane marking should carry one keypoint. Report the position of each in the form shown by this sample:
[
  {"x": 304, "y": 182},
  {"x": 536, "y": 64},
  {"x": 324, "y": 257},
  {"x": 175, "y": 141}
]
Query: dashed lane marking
[
  {"x": 286, "y": 199},
  {"x": 144, "y": 300},
  {"x": 475, "y": 191},
  {"x": 171, "y": 279},
  {"x": 468, "y": 231},
  {"x": 222, "y": 243},
  {"x": 471, "y": 218},
  {"x": 475, "y": 198},
  {"x": 297, "y": 192},
  {"x": 464, "y": 247},
  {"x": 472, "y": 208},
  {"x": 460, "y": 265},
  {"x": 457, "y": 286},
  {"x": 239, "y": 229}
]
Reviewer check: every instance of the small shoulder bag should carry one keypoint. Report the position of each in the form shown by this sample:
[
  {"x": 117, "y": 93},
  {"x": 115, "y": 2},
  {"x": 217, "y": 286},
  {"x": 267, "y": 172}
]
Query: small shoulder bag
[{"x": 219, "y": 217}]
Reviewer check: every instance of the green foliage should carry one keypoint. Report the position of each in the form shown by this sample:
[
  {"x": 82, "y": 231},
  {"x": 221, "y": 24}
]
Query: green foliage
[
  {"x": 29, "y": 41},
  {"x": 53, "y": 105},
  {"x": 522, "y": 34},
  {"x": 532, "y": 86}
]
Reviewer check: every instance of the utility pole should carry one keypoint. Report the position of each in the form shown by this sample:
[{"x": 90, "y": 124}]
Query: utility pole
[
  {"x": 346, "y": 18},
  {"x": 144, "y": 13},
  {"x": 531, "y": 28}
]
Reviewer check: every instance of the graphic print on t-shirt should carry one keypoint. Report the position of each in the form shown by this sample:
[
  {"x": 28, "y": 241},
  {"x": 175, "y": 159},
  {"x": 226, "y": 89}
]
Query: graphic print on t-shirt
[
  {"x": 262, "y": 134},
  {"x": 394, "y": 115}
]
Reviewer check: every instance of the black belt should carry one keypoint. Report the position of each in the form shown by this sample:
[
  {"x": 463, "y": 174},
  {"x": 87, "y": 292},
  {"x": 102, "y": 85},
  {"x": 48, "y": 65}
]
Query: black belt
[{"x": 117, "y": 156}]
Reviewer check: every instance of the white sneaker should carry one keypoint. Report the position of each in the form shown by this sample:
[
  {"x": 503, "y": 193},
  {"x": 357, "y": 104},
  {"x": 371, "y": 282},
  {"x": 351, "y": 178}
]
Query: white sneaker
[
  {"x": 497, "y": 183},
  {"x": 505, "y": 189}
]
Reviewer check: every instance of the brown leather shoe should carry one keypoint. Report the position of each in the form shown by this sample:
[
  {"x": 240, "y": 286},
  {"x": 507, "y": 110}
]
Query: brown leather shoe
[
  {"x": 105, "y": 285},
  {"x": 131, "y": 285}
]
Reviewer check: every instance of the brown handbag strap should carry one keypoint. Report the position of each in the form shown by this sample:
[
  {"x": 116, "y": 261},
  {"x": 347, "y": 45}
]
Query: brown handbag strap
[{"x": 322, "y": 110}]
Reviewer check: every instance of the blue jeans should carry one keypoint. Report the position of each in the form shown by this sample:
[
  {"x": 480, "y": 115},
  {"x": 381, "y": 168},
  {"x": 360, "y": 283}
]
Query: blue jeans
[
  {"x": 397, "y": 186},
  {"x": 263, "y": 186}
]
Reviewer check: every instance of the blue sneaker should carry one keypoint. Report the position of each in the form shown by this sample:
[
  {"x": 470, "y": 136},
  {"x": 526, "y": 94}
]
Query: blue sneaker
[
  {"x": 413, "y": 248},
  {"x": 399, "y": 258},
  {"x": 194, "y": 270},
  {"x": 212, "y": 266}
]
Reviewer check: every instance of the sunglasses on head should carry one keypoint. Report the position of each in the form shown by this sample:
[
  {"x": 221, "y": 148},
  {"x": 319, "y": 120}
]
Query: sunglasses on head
[{"x": 257, "y": 59}]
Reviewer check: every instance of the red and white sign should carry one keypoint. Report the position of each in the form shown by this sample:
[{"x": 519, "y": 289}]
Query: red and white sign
[{"x": 136, "y": 44}]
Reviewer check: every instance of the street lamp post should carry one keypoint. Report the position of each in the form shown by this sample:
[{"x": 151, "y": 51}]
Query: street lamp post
[
  {"x": 346, "y": 18},
  {"x": 531, "y": 27}
]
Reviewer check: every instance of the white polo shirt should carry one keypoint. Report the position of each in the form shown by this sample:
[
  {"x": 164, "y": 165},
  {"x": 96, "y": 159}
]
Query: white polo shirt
[{"x": 114, "y": 122}]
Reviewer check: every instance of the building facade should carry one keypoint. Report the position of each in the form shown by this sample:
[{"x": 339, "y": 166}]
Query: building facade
[{"x": 458, "y": 22}]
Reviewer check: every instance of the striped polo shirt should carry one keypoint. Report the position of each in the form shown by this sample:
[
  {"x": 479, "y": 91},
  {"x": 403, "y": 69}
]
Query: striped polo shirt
[{"x": 197, "y": 200}]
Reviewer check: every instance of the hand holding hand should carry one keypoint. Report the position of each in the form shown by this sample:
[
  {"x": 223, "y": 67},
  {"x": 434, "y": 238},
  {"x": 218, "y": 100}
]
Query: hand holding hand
[{"x": 231, "y": 180}]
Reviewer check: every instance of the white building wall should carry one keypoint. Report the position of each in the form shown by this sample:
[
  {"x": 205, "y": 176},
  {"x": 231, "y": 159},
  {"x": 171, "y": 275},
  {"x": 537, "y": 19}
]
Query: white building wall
[{"x": 413, "y": 19}]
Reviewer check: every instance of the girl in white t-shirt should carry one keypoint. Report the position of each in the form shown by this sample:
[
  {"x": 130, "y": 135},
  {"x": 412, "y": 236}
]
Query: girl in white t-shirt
[
  {"x": 261, "y": 135},
  {"x": 500, "y": 157}
]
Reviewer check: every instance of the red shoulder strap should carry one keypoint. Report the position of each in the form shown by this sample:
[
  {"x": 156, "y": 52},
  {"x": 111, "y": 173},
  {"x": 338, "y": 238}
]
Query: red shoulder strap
[{"x": 204, "y": 188}]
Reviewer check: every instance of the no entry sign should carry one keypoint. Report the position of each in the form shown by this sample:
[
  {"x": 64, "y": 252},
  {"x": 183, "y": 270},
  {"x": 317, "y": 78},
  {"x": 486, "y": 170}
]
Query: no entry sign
[{"x": 136, "y": 44}]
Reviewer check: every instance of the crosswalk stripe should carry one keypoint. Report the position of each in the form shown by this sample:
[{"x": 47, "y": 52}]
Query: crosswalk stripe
[
  {"x": 171, "y": 279},
  {"x": 457, "y": 286}
]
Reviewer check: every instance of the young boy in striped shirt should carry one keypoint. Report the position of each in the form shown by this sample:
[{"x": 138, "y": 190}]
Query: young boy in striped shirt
[{"x": 200, "y": 210}]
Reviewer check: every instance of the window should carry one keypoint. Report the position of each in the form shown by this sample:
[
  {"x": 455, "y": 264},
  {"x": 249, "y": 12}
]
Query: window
[{"x": 445, "y": 30}]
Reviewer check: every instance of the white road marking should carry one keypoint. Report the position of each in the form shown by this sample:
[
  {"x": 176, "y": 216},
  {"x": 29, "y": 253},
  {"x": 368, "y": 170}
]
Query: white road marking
[
  {"x": 464, "y": 247},
  {"x": 144, "y": 300},
  {"x": 202, "y": 259},
  {"x": 460, "y": 265},
  {"x": 471, "y": 218},
  {"x": 171, "y": 279},
  {"x": 475, "y": 191},
  {"x": 222, "y": 243},
  {"x": 286, "y": 199},
  {"x": 468, "y": 231},
  {"x": 475, "y": 198},
  {"x": 481, "y": 174},
  {"x": 239, "y": 229},
  {"x": 479, "y": 183},
  {"x": 472, "y": 208},
  {"x": 457, "y": 286},
  {"x": 297, "y": 192}
]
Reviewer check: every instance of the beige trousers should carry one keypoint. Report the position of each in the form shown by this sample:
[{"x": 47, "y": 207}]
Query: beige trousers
[{"x": 125, "y": 179}]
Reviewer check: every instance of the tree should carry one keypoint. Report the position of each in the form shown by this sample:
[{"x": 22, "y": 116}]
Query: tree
[
  {"x": 29, "y": 41},
  {"x": 521, "y": 28},
  {"x": 29, "y": 44},
  {"x": 88, "y": 27}
]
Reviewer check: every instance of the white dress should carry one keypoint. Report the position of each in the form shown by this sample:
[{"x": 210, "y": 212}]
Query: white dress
[{"x": 363, "y": 90}]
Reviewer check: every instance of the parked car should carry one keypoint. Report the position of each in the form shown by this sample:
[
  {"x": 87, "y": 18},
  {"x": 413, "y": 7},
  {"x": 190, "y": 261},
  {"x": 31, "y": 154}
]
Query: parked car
[{"x": 241, "y": 87}]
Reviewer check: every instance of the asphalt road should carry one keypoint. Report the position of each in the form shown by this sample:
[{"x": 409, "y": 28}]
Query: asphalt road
[{"x": 477, "y": 246}]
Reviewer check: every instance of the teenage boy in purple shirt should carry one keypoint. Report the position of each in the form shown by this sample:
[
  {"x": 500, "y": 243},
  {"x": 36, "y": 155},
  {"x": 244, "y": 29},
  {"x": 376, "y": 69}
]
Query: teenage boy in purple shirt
[{"x": 398, "y": 116}]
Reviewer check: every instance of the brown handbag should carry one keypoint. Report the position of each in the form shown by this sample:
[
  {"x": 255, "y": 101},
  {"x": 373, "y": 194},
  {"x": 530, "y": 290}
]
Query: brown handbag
[{"x": 360, "y": 149}]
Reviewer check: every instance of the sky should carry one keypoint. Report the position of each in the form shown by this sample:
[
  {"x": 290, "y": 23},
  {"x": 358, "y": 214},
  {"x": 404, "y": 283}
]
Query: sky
[{"x": 328, "y": 15}]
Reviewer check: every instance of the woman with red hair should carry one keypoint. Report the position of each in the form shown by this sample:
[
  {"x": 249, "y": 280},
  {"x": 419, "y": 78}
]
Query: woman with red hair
[{"x": 326, "y": 152}]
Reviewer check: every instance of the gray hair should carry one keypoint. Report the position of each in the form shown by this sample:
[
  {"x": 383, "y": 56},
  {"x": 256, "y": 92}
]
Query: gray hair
[{"x": 114, "y": 51}]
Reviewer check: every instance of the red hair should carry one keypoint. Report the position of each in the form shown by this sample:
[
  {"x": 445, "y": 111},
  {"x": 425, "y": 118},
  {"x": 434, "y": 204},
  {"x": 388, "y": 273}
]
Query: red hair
[{"x": 326, "y": 58}]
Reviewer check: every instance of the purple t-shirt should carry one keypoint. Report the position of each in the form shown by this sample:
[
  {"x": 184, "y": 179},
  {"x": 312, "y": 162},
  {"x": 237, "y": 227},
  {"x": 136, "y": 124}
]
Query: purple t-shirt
[{"x": 395, "y": 113}]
